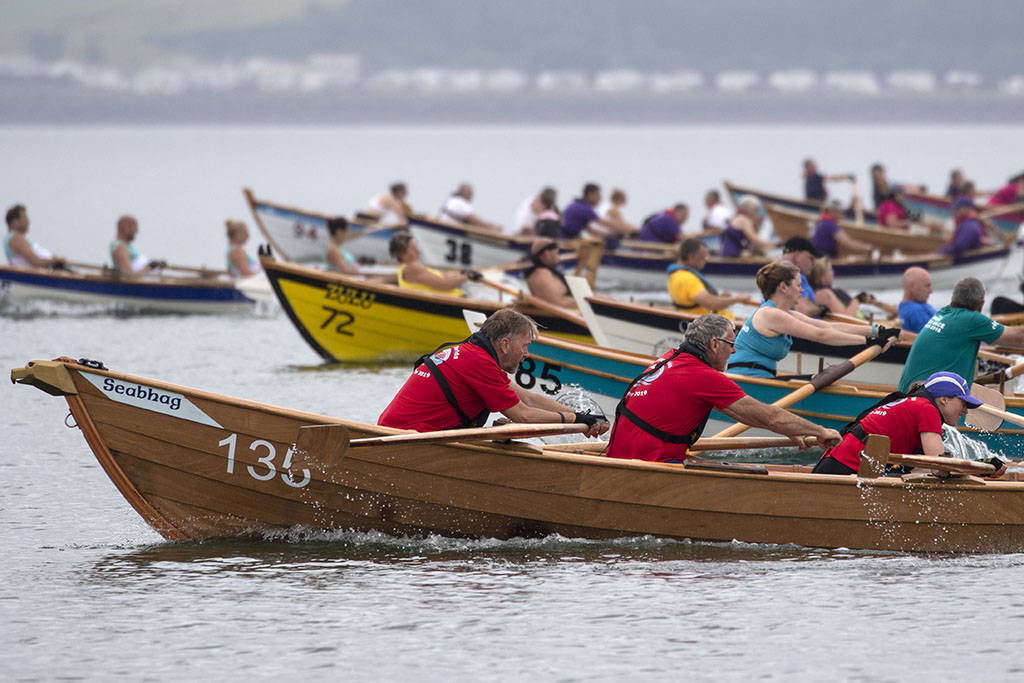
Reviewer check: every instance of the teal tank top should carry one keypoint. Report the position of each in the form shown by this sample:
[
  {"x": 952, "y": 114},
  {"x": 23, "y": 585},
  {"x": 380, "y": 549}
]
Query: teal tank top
[
  {"x": 345, "y": 254},
  {"x": 249, "y": 261},
  {"x": 756, "y": 349}
]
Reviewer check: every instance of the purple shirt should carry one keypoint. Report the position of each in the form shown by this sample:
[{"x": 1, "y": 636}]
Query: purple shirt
[
  {"x": 733, "y": 241},
  {"x": 967, "y": 236},
  {"x": 576, "y": 217},
  {"x": 661, "y": 228},
  {"x": 825, "y": 236}
]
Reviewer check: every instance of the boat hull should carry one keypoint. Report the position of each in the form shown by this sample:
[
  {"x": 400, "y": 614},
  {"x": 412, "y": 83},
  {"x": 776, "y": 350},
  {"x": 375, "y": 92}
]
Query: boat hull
[
  {"x": 345, "y": 319},
  {"x": 301, "y": 236},
  {"x": 164, "y": 295},
  {"x": 640, "y": 269},
  {"x": 212, "y": 466}
]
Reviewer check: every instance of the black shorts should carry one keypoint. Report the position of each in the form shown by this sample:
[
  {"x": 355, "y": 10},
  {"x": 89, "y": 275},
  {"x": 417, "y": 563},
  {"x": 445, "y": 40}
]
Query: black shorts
[{"x": 829, "y": 465}]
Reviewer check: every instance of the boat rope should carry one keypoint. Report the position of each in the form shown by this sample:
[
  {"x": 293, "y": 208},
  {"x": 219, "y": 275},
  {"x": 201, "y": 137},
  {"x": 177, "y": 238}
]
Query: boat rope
[
  {"x": 73, "y": 424},
  {"x": 90, "y": 363}
]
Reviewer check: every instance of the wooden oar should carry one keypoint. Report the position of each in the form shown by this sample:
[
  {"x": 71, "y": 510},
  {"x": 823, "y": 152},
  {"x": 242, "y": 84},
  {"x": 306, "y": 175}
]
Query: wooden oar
[
  {"x": 1000, "y": 210},
  {"x": 739, "y": 443},
  {"x": 825, "y": 378},
  {"x": 876, "y": 456},
  {"x": 329, "y": 443},
  {"x": 1008, "y": 373},
  {"x": 937, "y": 462},
  {"x": 504, "y": 432},
  {"x": 537, "y": 302},
  {"x": 995, "y": 404}
]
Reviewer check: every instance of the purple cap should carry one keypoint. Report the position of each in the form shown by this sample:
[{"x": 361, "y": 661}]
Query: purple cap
[
  {"x": 962, "y": 202},
  {"x": 951, "y": 384}
]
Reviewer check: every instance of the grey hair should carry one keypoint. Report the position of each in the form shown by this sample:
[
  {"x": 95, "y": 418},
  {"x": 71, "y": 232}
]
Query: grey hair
[
  {"x": 705, "y": 328},
  {"x": 969, "y": 293},
  {"x": 508, "y": 323},
  {"x": 749, "y": 202}
]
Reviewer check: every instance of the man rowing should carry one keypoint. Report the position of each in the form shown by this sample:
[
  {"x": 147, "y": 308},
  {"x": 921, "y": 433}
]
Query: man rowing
[
  {"x": 665, "y": 409},
  {"x": 21, "y": 250},
  {"x": 690, "y": 290},
  {"x": 460, "y": 385},
  {"x": 950, "y": 339}
]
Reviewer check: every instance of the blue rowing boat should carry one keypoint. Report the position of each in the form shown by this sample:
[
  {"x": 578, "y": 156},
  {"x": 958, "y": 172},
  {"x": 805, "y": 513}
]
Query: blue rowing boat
[{"x": 198, "y": 292}]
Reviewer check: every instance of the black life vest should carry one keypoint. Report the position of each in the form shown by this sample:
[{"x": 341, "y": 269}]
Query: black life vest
[
  {"x": 477, "y": 339},
  {"x": 561, "y": 277},
  {"x": 857, "y": 430}
]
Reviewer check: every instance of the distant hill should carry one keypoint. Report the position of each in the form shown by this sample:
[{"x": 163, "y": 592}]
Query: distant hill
[{"x": 532, "y": 35}]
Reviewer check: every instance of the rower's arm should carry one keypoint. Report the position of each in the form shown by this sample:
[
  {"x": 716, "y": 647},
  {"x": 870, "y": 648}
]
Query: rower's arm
[
  {"x": 1012, "y": 336},
  {"x": 752, "y": 412}
]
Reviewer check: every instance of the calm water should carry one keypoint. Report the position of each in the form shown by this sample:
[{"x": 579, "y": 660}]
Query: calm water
[{"x": 89, "y": 592}]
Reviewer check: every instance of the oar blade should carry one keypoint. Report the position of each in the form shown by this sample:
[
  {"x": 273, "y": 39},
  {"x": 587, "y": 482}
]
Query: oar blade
[
  {"x": 982, "y": 419},
  {"x": 326, "y": 444}
]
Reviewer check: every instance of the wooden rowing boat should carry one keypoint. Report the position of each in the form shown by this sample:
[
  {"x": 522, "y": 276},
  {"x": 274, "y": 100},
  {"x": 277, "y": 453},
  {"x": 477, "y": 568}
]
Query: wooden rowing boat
[
  {"x": 795, "y": 223},
  {"x": 736, "y": 192},
  {"x": 198, "y": 465},
  {"x": 638, "y": 266},
  {"x": 301, "y": 236},
  {"x": 345, "y": 318},
  {"x": 934, "y": 206},
  {"x": 174, "y": 290}
]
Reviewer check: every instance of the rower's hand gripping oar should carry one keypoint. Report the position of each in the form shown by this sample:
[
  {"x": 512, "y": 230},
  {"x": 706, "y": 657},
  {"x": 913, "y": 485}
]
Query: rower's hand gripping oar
[{"x": 823, "y": 379}]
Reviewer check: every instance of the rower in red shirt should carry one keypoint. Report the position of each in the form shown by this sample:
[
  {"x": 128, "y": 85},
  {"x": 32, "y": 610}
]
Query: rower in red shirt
[
  {"x": 913, "y": 423},
  {"x": 666, "y": 408},
  {"x": 460, "y": 385}
]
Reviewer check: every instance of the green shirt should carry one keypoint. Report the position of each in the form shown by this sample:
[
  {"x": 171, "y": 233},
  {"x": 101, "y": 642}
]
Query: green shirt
[{"x": 949, "y": 343}]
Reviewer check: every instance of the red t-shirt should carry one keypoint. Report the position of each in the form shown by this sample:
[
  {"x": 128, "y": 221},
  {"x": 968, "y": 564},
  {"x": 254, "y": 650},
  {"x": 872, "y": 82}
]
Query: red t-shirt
[
  {"x": 476, "y": 381},
  {"x": 902, "y": 421},
  {"x": 1006, "y": 195},
  {"x": 675, "y": 399}
]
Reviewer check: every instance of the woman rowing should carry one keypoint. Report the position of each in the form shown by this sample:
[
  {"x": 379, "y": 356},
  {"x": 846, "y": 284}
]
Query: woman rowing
[
  {"x": 836, "y": 300},
  {"x": 240, "y": 262},
  {"x": 412, "y": 274},
  {"x": 768, "y": 333},
  {"x": 913, "y": 422}
]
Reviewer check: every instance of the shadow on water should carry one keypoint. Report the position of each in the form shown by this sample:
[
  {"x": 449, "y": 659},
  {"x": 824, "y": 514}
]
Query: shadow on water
[{"x": 300, "y": 549}]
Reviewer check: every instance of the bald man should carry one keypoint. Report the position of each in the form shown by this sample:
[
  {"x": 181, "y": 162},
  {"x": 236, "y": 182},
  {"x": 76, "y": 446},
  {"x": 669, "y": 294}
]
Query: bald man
[{"x": 915, "y": 310}]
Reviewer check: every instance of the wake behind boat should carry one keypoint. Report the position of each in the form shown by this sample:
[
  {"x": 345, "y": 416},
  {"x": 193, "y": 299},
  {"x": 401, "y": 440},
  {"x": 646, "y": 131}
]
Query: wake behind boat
[
  {"x": 176, "y": 290},
  {"x": 198, "y": 465}
]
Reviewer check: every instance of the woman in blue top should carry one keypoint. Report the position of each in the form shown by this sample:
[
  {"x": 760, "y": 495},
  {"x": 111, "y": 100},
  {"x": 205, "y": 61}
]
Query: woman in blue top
[
  {"x": 768, "y": 333},
  {"x": 337, "y": 259}
]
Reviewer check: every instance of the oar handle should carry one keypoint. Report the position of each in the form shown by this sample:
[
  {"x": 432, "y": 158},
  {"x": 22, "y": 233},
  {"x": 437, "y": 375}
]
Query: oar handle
[{"x": 1008, "y": 373}]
